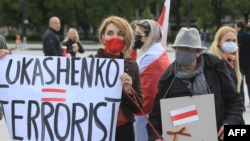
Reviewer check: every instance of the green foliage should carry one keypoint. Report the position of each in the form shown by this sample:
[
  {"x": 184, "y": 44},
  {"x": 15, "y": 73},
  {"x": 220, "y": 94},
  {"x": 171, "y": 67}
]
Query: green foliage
[
  {"x": 90, "y": 13},
  {"x": 146, "y": 14},
  {"x": 11, "y": 37}
]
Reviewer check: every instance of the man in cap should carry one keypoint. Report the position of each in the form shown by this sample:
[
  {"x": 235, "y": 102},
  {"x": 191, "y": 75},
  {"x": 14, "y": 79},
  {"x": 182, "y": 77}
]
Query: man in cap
[{"x": 196, "y": 73}]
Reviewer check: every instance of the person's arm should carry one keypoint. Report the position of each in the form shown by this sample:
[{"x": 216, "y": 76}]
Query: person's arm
[
  {"x": 133, "y": 95},
  {"x": 155, "y": 119},
  {"x": 80, "y": 48},
  {"x": 3, "y": 52}
]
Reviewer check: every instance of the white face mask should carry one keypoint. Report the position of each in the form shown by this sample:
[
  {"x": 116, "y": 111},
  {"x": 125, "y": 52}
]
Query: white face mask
[{"x": 229, "y": 47}]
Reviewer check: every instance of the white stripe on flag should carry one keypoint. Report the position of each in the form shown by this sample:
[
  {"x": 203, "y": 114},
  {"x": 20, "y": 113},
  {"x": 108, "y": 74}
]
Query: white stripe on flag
[
  {"x": 184, "y": 115},
  {"x": 164, "y": 20}
]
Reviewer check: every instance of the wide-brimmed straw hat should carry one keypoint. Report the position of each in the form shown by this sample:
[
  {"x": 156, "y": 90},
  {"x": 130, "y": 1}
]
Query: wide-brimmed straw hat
[{"x": 188, "y": 37}]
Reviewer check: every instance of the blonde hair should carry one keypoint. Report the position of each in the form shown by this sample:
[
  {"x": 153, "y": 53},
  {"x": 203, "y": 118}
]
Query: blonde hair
[
  {"x": 154, "y": 35},
  {"x": 77, "y": 38},
  {"x": 125, "y": 28},
  {"x": 133, "y": 24},
  {"x": 215, "y": 49}
]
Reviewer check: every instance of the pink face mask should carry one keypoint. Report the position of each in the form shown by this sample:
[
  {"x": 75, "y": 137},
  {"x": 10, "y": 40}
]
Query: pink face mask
[{"x": 114, "y": 45}]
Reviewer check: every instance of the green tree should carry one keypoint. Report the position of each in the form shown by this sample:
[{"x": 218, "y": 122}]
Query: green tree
[{"x": 90, "y": 13}]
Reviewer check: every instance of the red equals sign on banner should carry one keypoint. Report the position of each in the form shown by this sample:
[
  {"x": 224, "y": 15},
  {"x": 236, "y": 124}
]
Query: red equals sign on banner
[
  {"x": 53, "y": 91},
  {"x": 184, "y": 115}
]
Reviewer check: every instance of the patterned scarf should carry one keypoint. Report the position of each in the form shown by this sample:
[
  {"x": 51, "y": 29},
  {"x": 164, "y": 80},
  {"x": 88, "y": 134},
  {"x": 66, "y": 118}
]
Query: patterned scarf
[{"x": 199, "y": 85}]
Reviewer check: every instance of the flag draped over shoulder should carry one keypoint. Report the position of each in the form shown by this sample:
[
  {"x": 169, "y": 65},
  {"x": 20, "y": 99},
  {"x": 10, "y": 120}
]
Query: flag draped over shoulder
[{"x": 164, "y": 20}]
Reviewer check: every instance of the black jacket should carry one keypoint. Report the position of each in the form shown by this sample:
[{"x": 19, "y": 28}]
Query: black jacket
[
  {"x": 244, "y": 57},
  {"x": 228, "y": 104},
  {"x": 51, "y": 43},
  {"x": 69, "y": 44}
]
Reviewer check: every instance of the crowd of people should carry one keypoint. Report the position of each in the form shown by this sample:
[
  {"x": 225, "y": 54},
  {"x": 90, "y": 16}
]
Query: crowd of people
[{"x": 149, "y": 76}]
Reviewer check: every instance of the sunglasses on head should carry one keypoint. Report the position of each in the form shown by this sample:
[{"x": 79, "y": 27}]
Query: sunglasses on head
[{"x": 145, "y": 25}]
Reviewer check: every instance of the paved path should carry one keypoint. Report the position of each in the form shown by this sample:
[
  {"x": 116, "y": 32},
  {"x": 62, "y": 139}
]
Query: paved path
[{"x": 36, "y": 49}]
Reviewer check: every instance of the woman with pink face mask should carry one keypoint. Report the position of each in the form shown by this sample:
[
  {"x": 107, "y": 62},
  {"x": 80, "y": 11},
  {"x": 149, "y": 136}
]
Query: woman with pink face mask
[{"x": 117, "y": 36}]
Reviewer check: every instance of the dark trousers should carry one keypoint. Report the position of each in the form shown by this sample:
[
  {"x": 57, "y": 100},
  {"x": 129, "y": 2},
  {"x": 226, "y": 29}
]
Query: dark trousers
[{"x": 125, "y": 132}]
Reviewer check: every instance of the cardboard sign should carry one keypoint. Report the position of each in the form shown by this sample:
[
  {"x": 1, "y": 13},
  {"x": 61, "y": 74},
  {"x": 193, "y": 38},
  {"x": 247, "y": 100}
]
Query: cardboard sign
[
  {"x": 58, "y": 98},
  {"x": 189, "y": 118}
]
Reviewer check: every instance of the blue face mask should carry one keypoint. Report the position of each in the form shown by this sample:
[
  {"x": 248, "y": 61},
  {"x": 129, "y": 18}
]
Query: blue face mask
[
  {"x": 229, "y": 47},
  {"x": 185, "y": 57}
]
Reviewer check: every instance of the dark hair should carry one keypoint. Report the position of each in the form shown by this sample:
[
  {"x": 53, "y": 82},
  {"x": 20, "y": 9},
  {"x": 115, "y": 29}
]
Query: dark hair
[
  {"x": 145, "y": 25},
  {"x": 241, "y": 24}
]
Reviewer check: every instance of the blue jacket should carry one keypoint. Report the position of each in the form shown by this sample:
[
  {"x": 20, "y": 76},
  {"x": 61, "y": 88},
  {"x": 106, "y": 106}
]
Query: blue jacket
[{"x": 51, "y": 43}]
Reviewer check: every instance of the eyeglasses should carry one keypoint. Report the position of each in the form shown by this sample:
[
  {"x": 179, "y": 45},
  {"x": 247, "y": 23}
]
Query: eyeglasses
[{"x": 145, "y": 25}]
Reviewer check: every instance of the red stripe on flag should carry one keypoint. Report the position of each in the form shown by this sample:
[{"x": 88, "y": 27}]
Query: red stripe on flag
[
  {"x": 163, "y": 21},
  {"x": 54, "y": 90},
  {"x": 184, "y": 115},
  {"x": 53, "y": 99},
  {"x": 161, "y": 18}
]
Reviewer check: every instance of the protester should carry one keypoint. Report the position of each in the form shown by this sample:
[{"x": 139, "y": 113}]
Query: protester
[
  {"x": 194, "y": 73},
  {"x": 51, "y": 41},
  {"x": 225, "y": 47},
  {"x": 18, "y": 42},
  {"x": 152, "y": 60},
  {"x": 244, "y": 57},
  {"x": 116, "y": 35},
  {"x": 3, "y": 44},
  {"x": 72, "y": 41}
]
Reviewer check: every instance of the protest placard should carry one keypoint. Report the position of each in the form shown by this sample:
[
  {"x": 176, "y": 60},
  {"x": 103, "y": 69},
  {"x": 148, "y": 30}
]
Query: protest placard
[
  {"x": 189, "y": 118},
  {"x": 58, "y": 98}
]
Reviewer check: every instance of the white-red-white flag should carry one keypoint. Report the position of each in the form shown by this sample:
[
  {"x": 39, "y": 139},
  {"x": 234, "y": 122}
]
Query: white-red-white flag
[
  {"x": 184, "y": 115},
  {"x": 163, "y": 21}
]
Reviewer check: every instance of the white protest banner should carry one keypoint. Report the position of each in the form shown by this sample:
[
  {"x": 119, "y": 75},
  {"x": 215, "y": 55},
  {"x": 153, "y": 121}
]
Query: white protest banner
[{"x": 58, "y": 98}]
